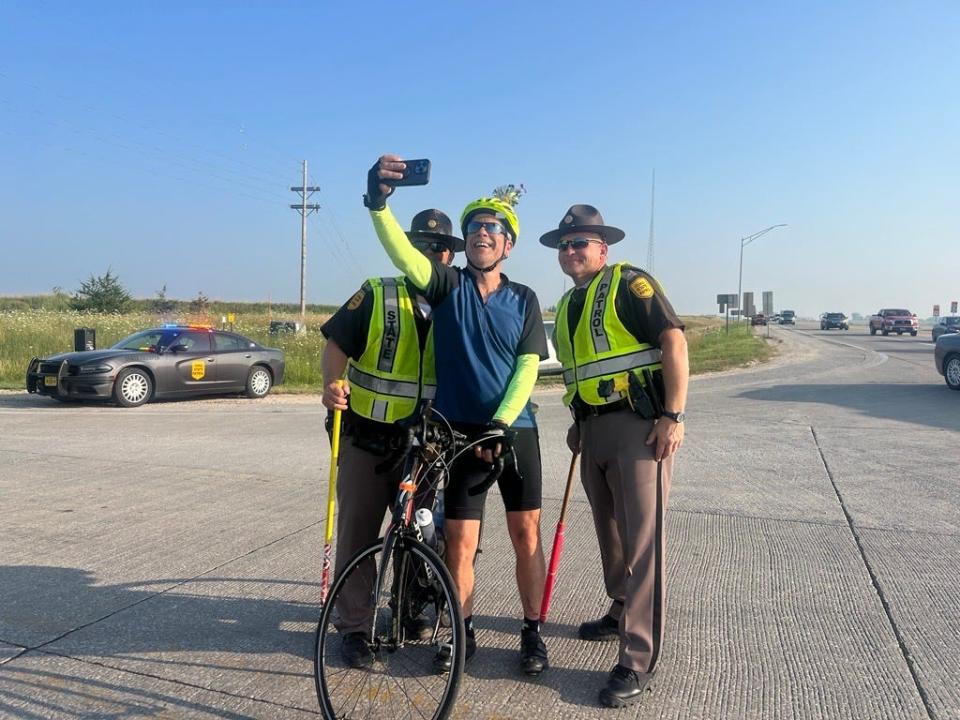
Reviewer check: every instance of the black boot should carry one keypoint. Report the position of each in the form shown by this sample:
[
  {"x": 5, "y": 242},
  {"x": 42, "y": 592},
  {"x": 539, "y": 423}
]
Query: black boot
[
  {"x": 606, "y": 628},
  {"x": 625, "y": 687},
  {"x": 355, "y": 650}
]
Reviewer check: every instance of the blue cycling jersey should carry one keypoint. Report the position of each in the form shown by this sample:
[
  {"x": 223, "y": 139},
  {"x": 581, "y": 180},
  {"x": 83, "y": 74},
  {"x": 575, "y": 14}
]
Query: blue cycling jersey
[{"x": 477, "y": 343}]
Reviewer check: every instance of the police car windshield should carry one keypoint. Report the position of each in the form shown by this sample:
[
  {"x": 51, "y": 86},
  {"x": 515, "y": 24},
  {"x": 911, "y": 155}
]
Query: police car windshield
[{"x": 148, "y": 340}]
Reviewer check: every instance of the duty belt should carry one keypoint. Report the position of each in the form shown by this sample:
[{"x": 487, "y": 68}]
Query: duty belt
[{"x": 582, "y": 410}]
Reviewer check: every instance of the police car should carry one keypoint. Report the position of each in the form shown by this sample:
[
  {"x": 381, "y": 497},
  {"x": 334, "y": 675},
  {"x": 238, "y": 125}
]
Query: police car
[
  {"x": 172, "y": 361},
  {"x": 550, "y": 366}
]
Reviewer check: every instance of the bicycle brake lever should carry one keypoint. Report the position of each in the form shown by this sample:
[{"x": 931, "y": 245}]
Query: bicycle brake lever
[{"x": 494, "y": 475}]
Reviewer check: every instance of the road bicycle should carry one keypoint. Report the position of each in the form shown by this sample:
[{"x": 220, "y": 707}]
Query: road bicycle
[{"x": 414, "y": 611}]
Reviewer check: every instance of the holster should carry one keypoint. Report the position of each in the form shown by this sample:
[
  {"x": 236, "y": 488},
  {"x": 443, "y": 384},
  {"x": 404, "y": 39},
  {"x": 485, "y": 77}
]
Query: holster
[{"x": 640, "y": 402}]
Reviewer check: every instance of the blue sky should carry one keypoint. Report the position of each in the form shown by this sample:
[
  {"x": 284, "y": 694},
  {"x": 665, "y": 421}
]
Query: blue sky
[{"x": 160, "y": 139}]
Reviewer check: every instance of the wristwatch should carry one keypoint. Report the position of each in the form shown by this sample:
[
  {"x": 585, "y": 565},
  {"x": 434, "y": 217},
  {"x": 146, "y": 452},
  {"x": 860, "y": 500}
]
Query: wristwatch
[{"x": 677, "y": 417}]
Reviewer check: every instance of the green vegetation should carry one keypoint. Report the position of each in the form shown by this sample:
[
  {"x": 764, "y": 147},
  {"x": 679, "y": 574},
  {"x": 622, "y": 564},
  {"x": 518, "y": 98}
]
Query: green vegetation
[
  {"x": 103, "y": 294},
  {"x": 43, "y": 325},
  {"x": 712, "y": 348}
]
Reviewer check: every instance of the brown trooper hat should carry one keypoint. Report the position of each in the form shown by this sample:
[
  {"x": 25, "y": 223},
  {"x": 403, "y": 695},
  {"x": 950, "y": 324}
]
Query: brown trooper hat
[
  {"x": 435, "y": 225},
  {"x": 583, "y": 218}
]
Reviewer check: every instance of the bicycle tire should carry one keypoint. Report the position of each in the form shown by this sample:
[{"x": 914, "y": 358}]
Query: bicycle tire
[{"x": 380, "y": 690}]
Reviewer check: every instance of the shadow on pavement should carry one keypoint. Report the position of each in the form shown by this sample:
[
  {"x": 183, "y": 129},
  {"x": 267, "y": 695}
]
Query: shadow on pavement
[
  {"x": 38, "y": 694},
  {"x": 931, "y": 405},
  {"x": 43, "y": 603}
]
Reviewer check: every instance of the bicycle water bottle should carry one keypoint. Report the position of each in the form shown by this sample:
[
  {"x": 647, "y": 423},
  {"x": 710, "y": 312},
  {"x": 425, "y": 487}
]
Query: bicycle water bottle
[{"x": 425, "y": 524}]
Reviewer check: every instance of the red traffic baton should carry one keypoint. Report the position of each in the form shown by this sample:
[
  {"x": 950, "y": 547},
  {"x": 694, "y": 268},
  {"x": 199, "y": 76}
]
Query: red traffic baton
[{"x": 557, "y": 544}]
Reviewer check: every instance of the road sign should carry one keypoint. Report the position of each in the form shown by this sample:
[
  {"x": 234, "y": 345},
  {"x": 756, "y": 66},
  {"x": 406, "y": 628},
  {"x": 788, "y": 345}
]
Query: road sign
[
  {"x": 936, "y": 311},
  {"x": 768, "y": 302},
  {"x": 953, "y": 307}
]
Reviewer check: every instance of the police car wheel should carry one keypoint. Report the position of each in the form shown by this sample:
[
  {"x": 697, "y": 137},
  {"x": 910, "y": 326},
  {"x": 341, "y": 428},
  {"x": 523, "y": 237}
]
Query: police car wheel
[
  {"x": 132, "y": 387},
  {"x": 258, "y": 382}
]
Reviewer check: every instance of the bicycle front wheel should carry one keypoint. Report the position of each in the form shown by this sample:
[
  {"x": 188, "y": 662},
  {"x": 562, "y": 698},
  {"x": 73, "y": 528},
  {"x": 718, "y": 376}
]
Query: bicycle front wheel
[{"x": 408, "y": 619}]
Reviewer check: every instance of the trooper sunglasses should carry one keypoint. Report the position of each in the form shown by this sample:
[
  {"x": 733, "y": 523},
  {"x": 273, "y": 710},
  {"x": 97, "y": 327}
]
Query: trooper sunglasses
[
  {"x": 493, "y": 228},
  {"x": 433, "y": 246},
  {"x": 578, "y": 243}
]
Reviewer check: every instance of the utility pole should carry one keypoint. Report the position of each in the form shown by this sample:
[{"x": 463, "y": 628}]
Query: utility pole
[
  {"x": 653, "y": 189},
  {"x": 304, "y": 209}
]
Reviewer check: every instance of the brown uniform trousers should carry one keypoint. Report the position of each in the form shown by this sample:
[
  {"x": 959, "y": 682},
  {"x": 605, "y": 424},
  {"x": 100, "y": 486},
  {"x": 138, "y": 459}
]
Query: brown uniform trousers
[
  {"x": 363, "y": 497},
  {"x": 628, "y": 490}
]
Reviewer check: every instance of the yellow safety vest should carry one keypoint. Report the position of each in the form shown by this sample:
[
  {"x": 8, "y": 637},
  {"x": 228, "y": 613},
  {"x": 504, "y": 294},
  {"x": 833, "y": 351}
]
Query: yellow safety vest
[
  {"x": 389, "y": 379},
  {"x": 601, "y": 348}
]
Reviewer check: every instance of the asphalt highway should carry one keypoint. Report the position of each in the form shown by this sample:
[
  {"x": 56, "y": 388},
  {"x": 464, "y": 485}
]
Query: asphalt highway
[{"x": 163, "y": 562}]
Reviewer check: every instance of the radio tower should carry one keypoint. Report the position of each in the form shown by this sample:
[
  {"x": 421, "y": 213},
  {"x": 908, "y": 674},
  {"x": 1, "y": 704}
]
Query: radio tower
[{"x": 653, "y": 189}]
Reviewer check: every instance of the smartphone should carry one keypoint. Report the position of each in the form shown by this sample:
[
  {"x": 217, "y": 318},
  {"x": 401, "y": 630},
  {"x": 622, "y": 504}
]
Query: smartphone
[{"x": 417, "y": 172}]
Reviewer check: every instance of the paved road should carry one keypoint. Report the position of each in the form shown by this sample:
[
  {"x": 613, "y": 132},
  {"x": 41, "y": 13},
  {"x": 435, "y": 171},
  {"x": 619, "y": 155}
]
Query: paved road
[{"x": 163, "y": 562}]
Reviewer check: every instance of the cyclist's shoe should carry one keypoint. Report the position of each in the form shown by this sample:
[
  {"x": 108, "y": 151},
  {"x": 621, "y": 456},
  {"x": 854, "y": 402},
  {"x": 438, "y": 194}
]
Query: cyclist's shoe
[
  {"x": 606, "y": 628},
  {"x": 418, "y": 628},
  {"x": 355, "y": 650},
  {"x": 444, "y": 660},
  {"x": 533, "y": 653}
]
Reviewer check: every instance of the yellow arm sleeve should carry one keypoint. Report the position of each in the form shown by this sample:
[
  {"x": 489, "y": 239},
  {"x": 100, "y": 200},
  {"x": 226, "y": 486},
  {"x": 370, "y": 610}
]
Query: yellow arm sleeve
[
  {"x": 404, "y": 256},
  {"x": 519, "y": 390}
]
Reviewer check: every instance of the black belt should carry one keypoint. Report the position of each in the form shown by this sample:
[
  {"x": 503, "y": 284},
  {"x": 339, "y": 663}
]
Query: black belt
[{"x": 582, "y": 410}]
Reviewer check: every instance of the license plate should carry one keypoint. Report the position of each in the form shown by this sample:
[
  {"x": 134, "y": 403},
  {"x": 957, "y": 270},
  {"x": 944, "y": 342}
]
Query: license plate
[{"x": 50, "y": 380}]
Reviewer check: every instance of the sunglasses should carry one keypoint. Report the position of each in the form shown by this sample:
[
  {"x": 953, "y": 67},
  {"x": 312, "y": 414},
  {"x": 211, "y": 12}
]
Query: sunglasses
[
  {"x": 493, "y": 228},
  {"x": 432, "y": 246},
  {"x": 576, "y": 243}
]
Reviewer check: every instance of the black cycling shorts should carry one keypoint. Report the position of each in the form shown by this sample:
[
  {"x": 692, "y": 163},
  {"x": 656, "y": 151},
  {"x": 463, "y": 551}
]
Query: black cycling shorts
[{"x": 518, "y": 493}]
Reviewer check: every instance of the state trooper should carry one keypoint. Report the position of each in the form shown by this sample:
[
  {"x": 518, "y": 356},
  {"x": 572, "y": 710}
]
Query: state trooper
[
  {"x": 625, "y": 369},
  {"x": 378, "y": 365}
]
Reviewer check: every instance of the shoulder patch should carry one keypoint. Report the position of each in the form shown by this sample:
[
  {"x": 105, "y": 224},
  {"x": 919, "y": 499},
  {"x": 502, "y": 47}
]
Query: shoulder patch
[
  {"x": 641, "y": 287},
  {"x": 355, "y": 301}
]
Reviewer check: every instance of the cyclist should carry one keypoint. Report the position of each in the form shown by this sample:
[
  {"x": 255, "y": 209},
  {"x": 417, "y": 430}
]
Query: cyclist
[
  {"x": 489, "y": 340},
  {"x": 381, "y": 339}
]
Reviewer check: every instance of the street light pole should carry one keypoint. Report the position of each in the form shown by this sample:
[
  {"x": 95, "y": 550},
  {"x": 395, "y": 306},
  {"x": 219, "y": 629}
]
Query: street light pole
[{"x": 743, "y": 243}]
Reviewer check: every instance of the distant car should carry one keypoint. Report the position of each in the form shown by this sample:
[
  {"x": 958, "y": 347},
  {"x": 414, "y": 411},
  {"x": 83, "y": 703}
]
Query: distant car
[
  {"x": 787, "y": 317},
  {"x": 828, "y": 321},
  {"x": 946, "y": 326},
  {"x": 172, "y": 361},
  {"x": 550, "y": 366},
  {"x": 758, "y": 319},
  {"x": 947, "y": 357}
]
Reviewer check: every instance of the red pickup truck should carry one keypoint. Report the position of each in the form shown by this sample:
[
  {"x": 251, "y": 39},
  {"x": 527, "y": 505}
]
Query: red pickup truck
[{"x": 896, "y": 320}]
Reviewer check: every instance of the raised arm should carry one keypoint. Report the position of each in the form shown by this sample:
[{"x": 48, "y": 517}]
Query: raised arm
[{"x": 402, "y": 254}]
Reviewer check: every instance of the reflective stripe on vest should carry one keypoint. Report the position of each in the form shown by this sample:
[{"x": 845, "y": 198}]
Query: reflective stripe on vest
[
  {"x": 601, "y": 347},
  {"x": 386, "y": 379}
]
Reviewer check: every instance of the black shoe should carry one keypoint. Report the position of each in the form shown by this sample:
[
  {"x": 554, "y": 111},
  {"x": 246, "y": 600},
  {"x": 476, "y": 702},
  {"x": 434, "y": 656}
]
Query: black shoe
[
  {"x": 606, "y": 628},
  {"x": 444, "y": 660},
  {"x": 624, "y": 687},
  {"x": 418, "y": 628},
  {"x": 533, "y": 653},
  {"x": 355, "y": 650}
]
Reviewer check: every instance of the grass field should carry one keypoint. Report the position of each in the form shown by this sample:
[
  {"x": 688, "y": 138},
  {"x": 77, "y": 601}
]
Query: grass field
[{"x": 27, "y": 333}]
